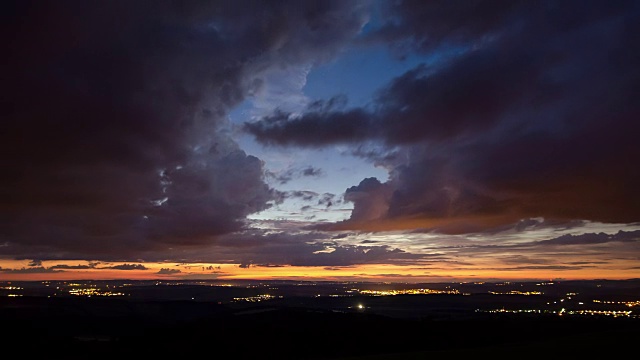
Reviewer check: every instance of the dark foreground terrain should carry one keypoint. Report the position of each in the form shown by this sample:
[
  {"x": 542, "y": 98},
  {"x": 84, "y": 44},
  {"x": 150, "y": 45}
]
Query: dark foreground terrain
[{"x": 105, "y": 327}]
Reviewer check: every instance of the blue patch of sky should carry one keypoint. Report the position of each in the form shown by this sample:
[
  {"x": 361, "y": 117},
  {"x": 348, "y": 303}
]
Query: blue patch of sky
[{"x": 358, "y": 74}]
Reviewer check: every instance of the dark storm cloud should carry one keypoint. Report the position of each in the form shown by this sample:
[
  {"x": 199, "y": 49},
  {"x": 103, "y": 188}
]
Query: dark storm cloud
[
  {"x": 114, "y": 133},
  {"x": 531, "y": 113},
  {"x": 312, "y": 128}
]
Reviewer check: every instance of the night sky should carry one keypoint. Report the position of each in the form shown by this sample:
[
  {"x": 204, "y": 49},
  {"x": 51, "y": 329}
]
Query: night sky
[{"x": 333, "y": 140}]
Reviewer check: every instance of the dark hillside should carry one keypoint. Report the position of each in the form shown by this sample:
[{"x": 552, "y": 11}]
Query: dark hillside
[{"x": 73, "y": 327}]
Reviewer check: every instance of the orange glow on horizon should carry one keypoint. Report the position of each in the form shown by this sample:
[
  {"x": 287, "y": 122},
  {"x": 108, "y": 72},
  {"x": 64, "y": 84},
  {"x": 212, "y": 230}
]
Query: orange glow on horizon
[{"x": 373, "y": 272}]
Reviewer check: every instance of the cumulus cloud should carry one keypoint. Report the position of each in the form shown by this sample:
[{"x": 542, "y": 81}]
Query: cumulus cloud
[
  {"x": 370, "y": 199},
  {"x": 115, "y": 139}
]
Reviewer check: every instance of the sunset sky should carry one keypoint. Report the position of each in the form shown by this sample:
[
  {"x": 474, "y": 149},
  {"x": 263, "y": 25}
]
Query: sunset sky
[{"x": 412, "y": 141}]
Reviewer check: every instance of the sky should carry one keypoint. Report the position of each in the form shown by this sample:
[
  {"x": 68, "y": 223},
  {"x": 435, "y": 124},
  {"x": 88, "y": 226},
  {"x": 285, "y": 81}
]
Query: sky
[{"x": 397, "y": 141}]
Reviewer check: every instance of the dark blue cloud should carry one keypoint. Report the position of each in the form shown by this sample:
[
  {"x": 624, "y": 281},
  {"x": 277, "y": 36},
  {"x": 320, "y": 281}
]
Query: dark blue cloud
[{"x": 115, "y": 139}]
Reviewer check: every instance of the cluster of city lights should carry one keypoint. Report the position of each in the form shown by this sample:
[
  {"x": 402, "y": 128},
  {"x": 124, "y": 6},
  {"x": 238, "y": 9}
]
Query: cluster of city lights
[
  {"x": 170, "y": 283},
  {"x": 258, "y": 298},
  {"x": 516, "y": 292},
  {"x": 563, "y": 311},
  {"x": 531, "y": 311},
  {"x": 10, "y": 288},
  {"x": 407, "y": 292},
  {"x": 600, "y": 312},
  {"x": 626, "y": 303},
  {"x": 569, "y": 304},
  {"x": 93, "y": 292}
]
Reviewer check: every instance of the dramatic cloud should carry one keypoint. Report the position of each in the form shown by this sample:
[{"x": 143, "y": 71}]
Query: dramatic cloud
[
  {"x": 115, "y": 137},
  {"x": 448, "y": 138},
  {"x": 530, "y": 112}
]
